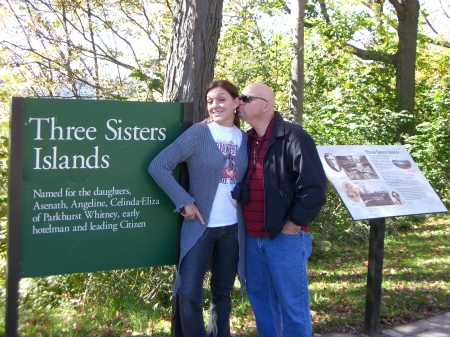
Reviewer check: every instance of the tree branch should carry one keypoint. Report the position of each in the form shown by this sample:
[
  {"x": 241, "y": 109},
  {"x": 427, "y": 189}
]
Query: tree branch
[
  {"x": 430, "y": 25},
  {"x": 168, "y": 6},
  {"x": 132, "y": 19},
  {"x": 442, "y": 43},
  {"x": 324, "y": 11},
  {"x": 397, "y": 6},
  {"x": 372, "y": 55}
]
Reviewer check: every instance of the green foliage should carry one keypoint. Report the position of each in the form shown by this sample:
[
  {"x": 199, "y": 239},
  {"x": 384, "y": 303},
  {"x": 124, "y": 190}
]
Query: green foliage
[
  {"x": 4, "y": 160},
  {"x": 116, "y": 289},
  {"x": 108, "y": 303},
  {"x": 250, "y": 51},
  {"x": 347, "y": 101},
  {"x": 430, "y": 148},
  {"x": 430, "y": 144}
]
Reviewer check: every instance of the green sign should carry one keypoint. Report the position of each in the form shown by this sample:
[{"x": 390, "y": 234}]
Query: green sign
[{"x": 85, "y": 200}]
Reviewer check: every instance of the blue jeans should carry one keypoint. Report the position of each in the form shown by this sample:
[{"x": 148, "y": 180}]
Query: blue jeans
[
  {"x": 277, "y": 284},
  {"x": 220, "y": 247}
]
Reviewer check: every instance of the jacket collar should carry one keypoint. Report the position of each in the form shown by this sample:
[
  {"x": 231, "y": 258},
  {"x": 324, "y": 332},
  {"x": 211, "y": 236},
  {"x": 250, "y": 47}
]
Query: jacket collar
[{"x": 278, "y": 127}]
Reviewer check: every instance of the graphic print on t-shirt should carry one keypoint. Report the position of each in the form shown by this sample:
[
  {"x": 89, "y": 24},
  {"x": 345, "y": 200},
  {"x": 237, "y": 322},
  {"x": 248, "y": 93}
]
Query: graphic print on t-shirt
[{"x": 229, "y": 172}]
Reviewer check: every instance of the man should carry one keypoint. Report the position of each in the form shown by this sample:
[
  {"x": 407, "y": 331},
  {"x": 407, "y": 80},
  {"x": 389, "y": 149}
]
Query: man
[
  {"x": 287, "y": 188},
  {"x": 332, "y": 162}
]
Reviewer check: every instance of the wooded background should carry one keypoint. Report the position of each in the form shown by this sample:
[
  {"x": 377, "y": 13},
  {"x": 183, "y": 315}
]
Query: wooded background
[{"x": 350, "y": 71}]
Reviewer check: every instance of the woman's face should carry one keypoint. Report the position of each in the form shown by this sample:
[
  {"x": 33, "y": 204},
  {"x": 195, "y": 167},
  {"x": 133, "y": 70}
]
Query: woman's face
[
  {"x": 351, "y": 192},
  {"x": 221, "y": 106}
]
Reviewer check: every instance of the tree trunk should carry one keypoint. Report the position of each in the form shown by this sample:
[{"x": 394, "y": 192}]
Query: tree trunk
[
  {"x": 297, "y": 69},
  {"x": 408, "y": 20},
  {"x": 193, "y": 48},
  {"x": 404, "y": 59}
]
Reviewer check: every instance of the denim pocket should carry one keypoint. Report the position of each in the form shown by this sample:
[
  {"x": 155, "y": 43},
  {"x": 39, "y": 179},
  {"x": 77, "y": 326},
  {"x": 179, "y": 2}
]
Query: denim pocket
[{"x": 308, "y": 244}]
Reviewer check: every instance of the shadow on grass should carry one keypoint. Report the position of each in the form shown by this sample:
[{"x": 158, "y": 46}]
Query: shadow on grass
[{"x": 415, "y": 281}]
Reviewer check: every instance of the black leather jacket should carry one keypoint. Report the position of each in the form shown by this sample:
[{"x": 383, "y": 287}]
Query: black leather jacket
[{"x": 294, "y": 180}]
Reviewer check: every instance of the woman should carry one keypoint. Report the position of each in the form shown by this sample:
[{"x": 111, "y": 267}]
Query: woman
[{"x": 213, "y": 228}]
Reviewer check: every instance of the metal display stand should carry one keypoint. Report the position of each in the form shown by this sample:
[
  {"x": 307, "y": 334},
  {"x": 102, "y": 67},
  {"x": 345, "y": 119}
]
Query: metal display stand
[{"x": 374, "y": 276}]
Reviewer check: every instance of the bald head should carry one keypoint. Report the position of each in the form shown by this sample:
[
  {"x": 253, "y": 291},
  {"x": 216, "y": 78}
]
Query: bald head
[
  {"x": 259, "y": 111},
  {"x": 261, "y": 90}
]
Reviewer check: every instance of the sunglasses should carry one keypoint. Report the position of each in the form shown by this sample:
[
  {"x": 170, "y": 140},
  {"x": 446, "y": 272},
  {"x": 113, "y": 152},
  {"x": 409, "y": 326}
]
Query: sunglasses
[{"x": 248, "y": 98}]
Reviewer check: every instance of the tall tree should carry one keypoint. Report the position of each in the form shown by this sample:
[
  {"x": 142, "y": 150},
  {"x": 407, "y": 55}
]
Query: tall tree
[
  {"x": 298, "y": 69},
  {"x": 192, "y": 52}
]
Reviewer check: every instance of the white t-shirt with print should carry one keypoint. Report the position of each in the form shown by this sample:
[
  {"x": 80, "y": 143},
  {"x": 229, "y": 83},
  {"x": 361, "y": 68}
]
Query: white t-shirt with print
[{"x": 228, "y": 140}]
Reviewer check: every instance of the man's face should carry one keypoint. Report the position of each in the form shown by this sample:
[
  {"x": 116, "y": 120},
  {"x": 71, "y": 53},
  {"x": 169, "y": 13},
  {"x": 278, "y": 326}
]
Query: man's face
[
  {"x": 251, "y": 109},
  {"x": 332, "y": 161}
]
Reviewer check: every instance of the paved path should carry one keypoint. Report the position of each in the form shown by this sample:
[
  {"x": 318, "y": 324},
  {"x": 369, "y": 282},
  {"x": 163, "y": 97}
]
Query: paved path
[{"x": 438, "y": 326}]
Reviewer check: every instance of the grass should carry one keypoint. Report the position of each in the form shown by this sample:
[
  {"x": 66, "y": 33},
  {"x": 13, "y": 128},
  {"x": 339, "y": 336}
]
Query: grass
[
  {"x": 415, "y": 286},
  {"x": 415, "y": 280}
]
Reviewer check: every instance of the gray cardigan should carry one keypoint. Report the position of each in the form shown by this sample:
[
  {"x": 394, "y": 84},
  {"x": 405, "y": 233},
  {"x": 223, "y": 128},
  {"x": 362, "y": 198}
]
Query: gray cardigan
[{"x": 205, "y": 161}]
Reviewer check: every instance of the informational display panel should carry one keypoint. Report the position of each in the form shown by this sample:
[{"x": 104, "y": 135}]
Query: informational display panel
[
  {"x": 377, "y": 181},
  {"x": 85, "y": 200}
]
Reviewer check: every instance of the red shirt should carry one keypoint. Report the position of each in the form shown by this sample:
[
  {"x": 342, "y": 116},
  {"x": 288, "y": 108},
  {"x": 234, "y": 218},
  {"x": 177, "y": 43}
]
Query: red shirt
[{"x": 253, "y": 211}]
